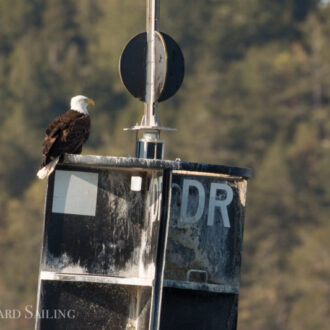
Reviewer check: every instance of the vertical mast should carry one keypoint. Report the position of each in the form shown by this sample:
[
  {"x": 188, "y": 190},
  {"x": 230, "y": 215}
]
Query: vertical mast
[
  {"x": 152, "y": 69},
  {"x": 152, "y": 25}
]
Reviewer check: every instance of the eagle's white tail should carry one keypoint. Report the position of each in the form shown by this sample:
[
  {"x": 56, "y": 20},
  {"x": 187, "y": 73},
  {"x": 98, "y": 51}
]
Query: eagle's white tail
[{"x": 48, "y": 169}]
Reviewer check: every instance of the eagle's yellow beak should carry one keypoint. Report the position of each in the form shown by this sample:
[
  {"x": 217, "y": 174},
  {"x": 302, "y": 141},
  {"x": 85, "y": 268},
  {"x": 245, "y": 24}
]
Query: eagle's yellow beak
[{"x": 90, "y": 102}]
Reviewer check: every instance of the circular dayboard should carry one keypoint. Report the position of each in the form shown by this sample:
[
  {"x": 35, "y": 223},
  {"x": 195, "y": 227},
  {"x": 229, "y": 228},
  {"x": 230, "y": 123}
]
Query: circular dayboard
[
  {"x": 175, "y": 68},
  {"x": 132, "y": 66},
  {"x": 169, "y": 70}
]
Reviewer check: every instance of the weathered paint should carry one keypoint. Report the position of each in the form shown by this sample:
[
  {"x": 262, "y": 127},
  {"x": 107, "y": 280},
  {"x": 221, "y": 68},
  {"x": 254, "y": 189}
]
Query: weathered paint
[
  {"x": 109, "y": 266},
  {"x": 210, "y": 245},
  {"x": 107, "y": 257},
  {"x": 53, "y": 276},
  {"x": 132, "y": 162},
  {"x": 203, "y": 255},
  {"x": 114, "y": 242},
  {"x": 95, "y": 306}
]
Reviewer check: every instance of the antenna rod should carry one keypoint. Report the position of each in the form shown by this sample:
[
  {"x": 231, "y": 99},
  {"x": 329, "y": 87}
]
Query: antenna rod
[{"x": 152, "y": 25}]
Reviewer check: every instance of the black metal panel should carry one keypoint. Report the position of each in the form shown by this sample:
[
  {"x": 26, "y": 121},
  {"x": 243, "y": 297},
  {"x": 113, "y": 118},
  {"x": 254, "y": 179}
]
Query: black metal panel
[
  {"x": 113, "y": 242},
  {"x": 198, "y": 310},
  {"x": 207, "y": 249},
  {"x": 154, "y": 150},
  {"x": 86, "y": 306},
  {"x": 203, "y": 255},
  {"x": 151, "y": 146},
  {"x": 149, "y": 149},
  {"x": 160, "y": 150},
  {"x": 124, "y": 237},
  {"x": 133, "y": 66}
]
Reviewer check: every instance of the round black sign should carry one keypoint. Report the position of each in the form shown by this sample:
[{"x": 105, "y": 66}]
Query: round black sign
[{"x": 169, "y": 68}]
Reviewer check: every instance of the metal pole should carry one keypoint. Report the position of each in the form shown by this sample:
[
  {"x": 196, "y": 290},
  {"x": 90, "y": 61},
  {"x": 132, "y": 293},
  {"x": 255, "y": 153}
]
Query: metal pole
[
  {"x": 161, "y": 250},
  {"x": 152, "y": 25}
]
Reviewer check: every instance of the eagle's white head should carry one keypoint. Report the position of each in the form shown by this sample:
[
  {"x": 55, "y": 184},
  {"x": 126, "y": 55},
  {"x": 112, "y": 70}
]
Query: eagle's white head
[{"x": 80, "y": 103}]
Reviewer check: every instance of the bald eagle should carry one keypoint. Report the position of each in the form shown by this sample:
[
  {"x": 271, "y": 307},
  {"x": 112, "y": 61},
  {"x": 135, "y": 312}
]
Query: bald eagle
[{"x": 66, "y": 134}]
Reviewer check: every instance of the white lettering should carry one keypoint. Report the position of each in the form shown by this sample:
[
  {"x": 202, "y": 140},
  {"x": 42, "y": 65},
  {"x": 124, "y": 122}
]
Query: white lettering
[
  {"x": 187, "y": 184},
  {"x": 43, "y": 314},
  {"x": 12, "y": 314},
  {"x": 223, "y": 203},
  {"x": 61, "y": 314},
  {"x": 71, "y": 314},
  {"x": 29, "y": 313}
]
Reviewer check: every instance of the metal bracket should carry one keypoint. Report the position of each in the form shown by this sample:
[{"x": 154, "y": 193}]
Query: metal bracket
[{"x": 200, "y": 271}]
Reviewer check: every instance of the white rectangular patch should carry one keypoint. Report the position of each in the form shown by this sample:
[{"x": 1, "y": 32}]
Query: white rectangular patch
[
  {"x": 136, "y": 183},
  {"x": 75, "y": 192}
]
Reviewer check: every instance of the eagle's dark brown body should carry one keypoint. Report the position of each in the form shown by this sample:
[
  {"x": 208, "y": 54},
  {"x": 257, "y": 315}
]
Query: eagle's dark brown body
[{"x": 65, "y": 134}]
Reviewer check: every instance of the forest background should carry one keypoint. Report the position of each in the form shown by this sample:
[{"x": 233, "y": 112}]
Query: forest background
[{"x": 256, "y": 94}]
